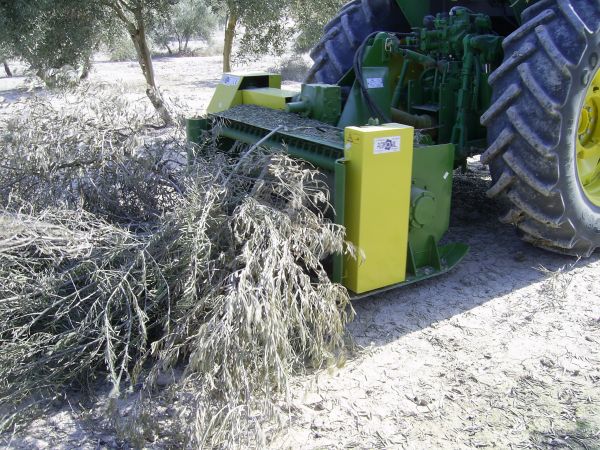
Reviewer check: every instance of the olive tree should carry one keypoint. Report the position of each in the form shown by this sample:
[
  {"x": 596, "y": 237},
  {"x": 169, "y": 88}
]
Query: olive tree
[
  {"x": 136, "y": 16},
  {"x": 263, "y": 21},
  {"x": 272, "y": 26},
  {"x": 47, "y": 34},
  {"x": 310, "y": 17},
  {"x": 54, "y": 33},
  {"x": 188, "y": 19}
]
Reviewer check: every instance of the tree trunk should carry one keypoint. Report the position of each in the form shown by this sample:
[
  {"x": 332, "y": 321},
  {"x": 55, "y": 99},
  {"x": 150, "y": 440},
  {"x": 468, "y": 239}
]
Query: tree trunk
[
  {"x": 7, "y": 69},
  {"x": 228, "y": 44},
  {"x": 85, "y": 69},
  {"x": 179, "y": 46},
  {"x": 138, "y": 36}
]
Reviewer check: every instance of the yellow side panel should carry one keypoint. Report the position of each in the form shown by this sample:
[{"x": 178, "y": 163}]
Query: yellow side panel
[
  {"x": 267, "y": 97},
  {"x": 275, "y": 81},
  {"x": 227, "y": 94},
  {"x": 377, "y": 209}
]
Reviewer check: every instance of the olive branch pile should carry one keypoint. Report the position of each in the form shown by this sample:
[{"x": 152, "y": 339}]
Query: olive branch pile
[{"x": 121, "y": 260}]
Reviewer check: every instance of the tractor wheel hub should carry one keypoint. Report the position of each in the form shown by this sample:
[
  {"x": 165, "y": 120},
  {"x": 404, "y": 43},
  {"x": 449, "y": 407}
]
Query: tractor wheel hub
[{"x": 588, "y": 142}]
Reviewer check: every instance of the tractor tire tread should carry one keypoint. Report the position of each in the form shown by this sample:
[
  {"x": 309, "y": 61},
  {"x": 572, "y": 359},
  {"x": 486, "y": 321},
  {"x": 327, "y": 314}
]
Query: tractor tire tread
[
  {"x": 523, "y": 152},
  {"x": 535, "y": 9},
  {"x": 333, "y": 55}
]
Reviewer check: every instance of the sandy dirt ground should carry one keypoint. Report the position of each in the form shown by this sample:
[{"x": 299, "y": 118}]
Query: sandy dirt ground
[{"x": 503, "y": 352}]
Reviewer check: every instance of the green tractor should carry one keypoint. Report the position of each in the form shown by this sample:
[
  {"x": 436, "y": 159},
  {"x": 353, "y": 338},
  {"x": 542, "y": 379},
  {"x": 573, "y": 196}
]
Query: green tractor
[{"x": 403, "y": 92}]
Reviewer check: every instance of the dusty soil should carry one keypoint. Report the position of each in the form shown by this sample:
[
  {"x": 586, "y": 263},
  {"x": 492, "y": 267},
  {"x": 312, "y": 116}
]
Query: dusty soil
[{"x": 503, "y": 352}]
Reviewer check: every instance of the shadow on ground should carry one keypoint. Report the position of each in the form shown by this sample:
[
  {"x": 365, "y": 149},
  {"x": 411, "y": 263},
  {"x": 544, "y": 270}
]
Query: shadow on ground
[
  {"x": 13, "y": 89},
  {"x": 498, "y": 263}
]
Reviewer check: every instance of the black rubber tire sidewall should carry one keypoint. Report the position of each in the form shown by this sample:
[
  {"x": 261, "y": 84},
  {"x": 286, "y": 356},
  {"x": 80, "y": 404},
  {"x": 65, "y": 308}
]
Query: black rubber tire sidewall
[
  {"x": 333, "y": 55},
  {"x": 564, "y": 219}
]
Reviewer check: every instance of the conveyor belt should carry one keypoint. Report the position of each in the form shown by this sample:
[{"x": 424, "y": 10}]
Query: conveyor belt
[
  {"x": 293, "y": 124},
  {"x": 314, "y": 141}
]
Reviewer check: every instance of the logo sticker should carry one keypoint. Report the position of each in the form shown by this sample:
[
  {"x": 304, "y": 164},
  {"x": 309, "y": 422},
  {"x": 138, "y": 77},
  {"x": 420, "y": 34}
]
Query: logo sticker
[
  {"x": 387, "y": 145},
  {"x": 374, "y": 83},
  {"x": 230, "y": 80}
]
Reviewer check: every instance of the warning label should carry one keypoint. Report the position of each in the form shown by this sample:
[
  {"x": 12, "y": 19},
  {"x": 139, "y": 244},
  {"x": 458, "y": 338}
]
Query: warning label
[{"x": 387, "y": 145}]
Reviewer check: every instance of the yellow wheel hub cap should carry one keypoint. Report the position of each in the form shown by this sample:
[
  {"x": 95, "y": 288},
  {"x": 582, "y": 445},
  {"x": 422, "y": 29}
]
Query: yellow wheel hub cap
[{"x": 588, "y": 142}]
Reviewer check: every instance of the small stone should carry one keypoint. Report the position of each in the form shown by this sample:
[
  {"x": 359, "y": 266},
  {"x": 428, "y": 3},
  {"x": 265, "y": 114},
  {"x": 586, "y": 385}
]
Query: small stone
[
  {"x": 318, "y": 406},
  {"x": 547, "y": 362},
  {"x": 420, "y": 401}
]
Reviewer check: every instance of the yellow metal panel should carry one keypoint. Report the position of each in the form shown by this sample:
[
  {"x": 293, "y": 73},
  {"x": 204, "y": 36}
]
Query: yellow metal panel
[
  {"x": 227, "y": 94},
  {"x": 267, "y": 97},
  {"x": 275, "y": 81},
  {"x": 274, "y": 78},
  {"x": 378, "y": 184}
]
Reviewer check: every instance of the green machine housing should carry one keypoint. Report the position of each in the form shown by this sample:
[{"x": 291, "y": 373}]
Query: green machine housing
[
  {"x": 432, "y": 164},
  {"x": 433, "y": 79}
]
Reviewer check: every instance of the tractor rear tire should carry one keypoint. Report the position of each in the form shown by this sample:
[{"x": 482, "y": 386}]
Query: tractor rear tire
[
  {"x": 334, "y": 53},
  {"x": 533, "y": 123}
]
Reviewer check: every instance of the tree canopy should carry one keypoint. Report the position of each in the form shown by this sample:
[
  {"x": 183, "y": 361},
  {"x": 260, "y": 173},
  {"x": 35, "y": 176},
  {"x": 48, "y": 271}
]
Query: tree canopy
[
  {"x": 188, "y": 19},
  {"x": 49, "y": 33},
  {"x": 272, "y": 26},
  {"x": 54, "y": 33},
  {"x": 310, "y": 17}
]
